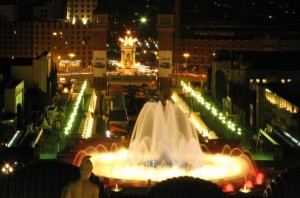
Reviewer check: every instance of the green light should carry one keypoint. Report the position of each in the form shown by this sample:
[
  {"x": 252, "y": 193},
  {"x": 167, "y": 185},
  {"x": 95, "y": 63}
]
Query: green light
[
  {"x": 214, "y": 111},
  {"x": 207, "y": 105},
  {"x": 75, "y": 109},
  {"x": 143, "y": 20},
  {"x": 210, "y": 106}
]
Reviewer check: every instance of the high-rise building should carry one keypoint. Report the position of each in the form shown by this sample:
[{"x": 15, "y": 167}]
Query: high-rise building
[
  {"x": 81, "y": 10},
  {"x": 69, "y": 38}
]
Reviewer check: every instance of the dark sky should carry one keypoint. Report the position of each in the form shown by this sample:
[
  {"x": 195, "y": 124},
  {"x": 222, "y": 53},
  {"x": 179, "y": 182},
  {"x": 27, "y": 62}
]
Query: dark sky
[{"x": 191, "y": 11}]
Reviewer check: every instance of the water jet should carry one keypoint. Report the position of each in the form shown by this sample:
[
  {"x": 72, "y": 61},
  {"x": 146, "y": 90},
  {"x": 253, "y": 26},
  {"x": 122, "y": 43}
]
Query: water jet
[{"x": 163, "y": 145}]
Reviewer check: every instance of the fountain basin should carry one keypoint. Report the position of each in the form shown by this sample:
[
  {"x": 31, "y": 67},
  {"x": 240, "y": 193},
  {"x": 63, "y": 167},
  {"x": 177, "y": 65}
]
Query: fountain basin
[{"x": 164, "y": 144}]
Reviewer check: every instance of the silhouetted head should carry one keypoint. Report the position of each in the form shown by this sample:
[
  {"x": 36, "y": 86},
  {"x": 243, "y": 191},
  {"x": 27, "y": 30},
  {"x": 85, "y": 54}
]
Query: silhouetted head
[{"x": 86, "y": 167}]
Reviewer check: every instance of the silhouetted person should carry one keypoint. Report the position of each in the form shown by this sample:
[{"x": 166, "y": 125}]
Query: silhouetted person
[{"x": 82, "y": 187}]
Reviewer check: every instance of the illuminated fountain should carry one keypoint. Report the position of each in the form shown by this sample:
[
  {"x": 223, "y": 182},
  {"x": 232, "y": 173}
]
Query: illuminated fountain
[
  {"x": 163, "y": 145},
  {"x": 164, "y": 135}
]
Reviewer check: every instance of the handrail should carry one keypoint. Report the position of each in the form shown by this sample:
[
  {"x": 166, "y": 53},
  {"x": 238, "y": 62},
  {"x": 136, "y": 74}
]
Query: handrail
[{"x": 267, "y": 136}]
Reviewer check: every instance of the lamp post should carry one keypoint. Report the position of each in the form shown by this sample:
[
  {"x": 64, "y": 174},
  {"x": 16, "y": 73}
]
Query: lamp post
[
  {"x": 71, "y": 64},
  {"x": 156, "y": 59},
  {"x": 53, "y": 51},
  {"x": 71, "y": 56},
  {"x": 186, "y": 55}
]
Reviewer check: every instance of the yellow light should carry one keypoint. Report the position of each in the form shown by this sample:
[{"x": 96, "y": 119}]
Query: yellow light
[
  {"x": 72, "y": 55},
  {"x": 128, "y": 41},
  {"x": 84, "y": 21},
  {"x": 7, "y": 168},
  {"x": 186, "y": 55}
]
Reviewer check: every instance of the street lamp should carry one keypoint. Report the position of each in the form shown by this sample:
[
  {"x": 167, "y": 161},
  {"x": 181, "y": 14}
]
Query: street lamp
[
  {"x": 156, "y": 59},
  {"x": 186, "y": 55},
  {"x": 71, "y": 63},
  {"x": 72, "y": 55}
]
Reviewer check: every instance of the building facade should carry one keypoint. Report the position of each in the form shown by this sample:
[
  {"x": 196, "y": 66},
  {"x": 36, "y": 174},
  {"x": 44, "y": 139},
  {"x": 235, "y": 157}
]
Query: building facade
[
  {"x": 207, "y": 40},
  {"x": 69, "y": 38},
  {"x": 258, "y": 88},
  {"x": 14, "y": 96}
]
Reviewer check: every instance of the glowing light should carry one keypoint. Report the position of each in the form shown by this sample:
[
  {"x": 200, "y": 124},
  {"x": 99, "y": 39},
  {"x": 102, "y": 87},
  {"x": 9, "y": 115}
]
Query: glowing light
[
  {"x": 88, "y": 126},
  {"x": 140, "y": 163},
  {"x": 245, "y": 189},
  {"x": 7, "y": 169},
  {"x": 143, "y": 20},
  {"x": 75, "y": 109},
  {"x": 294, "y": 140},
  {"x": 116, "y": 188},
  {"x": 128, "y": 41},
  {"x": 107, "y": 134},
  {"x": 14, "y": 138},
  {"x": 186, "y": 55},
  {"x": 249, "y": 184},
  {"x": 84, "y": 21},
  {"x": 229, "y": 188},
  {"x": 72, "y": 55},
  {"x": 194, "y": 119},
  {"x": 210, "y": 106},
  {"x": 216, "y": 168},
  {"x": 260, "y": 179},
  {"x": 276, "y": 100}
]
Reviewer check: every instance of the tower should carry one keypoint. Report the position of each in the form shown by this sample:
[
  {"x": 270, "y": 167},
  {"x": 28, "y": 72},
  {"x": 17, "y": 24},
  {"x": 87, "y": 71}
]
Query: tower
[
  {"x": 99, "y": 45},
  {"x": 165, "y": 28}
]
